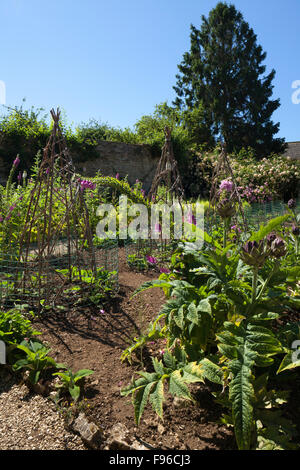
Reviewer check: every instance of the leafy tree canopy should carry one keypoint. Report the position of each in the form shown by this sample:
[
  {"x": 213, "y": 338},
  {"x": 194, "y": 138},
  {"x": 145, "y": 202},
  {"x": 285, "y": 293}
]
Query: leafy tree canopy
[{"x": 223, "y": 73}]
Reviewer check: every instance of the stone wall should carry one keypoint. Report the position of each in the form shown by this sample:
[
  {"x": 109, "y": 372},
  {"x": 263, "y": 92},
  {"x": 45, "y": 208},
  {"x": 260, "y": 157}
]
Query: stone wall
[
  {"x": 293, "y": 150},
  {"x": 135, "y": 161}
]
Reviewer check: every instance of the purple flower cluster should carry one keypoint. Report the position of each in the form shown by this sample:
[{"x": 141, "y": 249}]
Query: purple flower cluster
[
  {"x": 236, "y": 228},
  {"x": 85, "y": 184},
  {"x": 226, "y": 185},
  {"x": 251, "y": 194},
  {"x": 164, "y": 270},
  {"x": 151, "y": 259}
]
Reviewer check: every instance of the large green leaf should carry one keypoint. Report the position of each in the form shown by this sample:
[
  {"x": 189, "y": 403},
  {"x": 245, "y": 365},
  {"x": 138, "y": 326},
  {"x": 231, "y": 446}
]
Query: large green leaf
[
  {"x": 289, "y": 362},
  {"x": 140, "y": 400},
  {"x": 211, "y": 371},
  {"x": 177, "y": 385},
  {"x": 192, "y": 315},
  {"x": 245, "y": 345},
  {"x": 264, "y": 230},
  {"x": 241, "y": 394},
  {"x": 157, "y": 397},
  {"x": 192, "y": 372}
]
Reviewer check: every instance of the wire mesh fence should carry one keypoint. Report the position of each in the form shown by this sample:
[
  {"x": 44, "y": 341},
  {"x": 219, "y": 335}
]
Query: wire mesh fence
[
  {"x": 142, "y": 254},
  {"x": 44, "y": 281},
  {"x": 255, "y": 214},
  {"x": 258, "y": 214}
]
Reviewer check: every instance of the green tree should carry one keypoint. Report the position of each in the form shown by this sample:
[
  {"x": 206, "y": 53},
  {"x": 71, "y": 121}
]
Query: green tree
[
  {"x": 22, "y": 132},
  {"x": 150, "y": 130},
  {"x": 224, "y": 74}
]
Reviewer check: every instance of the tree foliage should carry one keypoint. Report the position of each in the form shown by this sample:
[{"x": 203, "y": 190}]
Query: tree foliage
[{"x": 224, "y": 74}]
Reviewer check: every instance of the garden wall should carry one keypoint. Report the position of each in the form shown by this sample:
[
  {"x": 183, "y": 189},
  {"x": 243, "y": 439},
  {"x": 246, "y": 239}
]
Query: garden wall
[
  {"x": 133, "y": 160},
  {"x": 293, "y": 150}
]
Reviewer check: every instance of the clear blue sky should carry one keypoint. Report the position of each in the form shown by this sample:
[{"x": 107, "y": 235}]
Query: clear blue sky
[{"x": 114, "y": 60}]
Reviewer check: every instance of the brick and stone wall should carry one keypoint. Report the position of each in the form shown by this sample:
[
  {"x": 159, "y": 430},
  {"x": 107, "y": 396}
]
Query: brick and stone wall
[
  {"x": 293, "y": 150},
  {"x": 135, "y": 161}
]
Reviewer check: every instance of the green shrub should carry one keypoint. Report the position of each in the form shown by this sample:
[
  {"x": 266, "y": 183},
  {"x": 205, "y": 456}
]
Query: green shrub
[
  {"x": 15, "y": 327},
  {"x": 276, "y": 177}
]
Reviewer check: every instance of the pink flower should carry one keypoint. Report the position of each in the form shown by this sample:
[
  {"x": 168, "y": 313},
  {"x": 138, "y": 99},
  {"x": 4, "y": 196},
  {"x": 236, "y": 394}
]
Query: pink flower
[
  {"x": 117, "y": 176},
  {"x": 191, "y": 218},
  {"x": 164, "y": 270},
  {"x": 151, "y": 259},
  {"x": 157, "y": 228},
  {"x": 85, "y": 184},
  {"x": 16, "y": 162},
  {"x": 227, "y": 185}
]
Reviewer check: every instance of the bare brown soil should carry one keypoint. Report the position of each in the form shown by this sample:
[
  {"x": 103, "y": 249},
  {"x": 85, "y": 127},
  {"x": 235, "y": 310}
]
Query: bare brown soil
[{"x": 85, "y": 338}]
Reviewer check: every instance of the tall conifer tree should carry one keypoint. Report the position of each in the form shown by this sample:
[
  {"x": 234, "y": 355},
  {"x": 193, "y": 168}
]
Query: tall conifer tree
[{"x": 224, "y": 73}]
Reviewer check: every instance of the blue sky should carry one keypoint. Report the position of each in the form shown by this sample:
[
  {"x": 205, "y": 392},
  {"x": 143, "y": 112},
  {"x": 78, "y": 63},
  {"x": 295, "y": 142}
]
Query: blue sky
[{"x": 114, "y": 60}]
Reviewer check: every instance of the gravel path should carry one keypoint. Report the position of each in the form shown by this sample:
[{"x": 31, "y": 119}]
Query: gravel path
[{"x": 31, "y": 422}]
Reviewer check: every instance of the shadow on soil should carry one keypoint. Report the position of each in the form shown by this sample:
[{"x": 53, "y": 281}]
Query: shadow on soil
[{"x": 113, "y": 326}]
